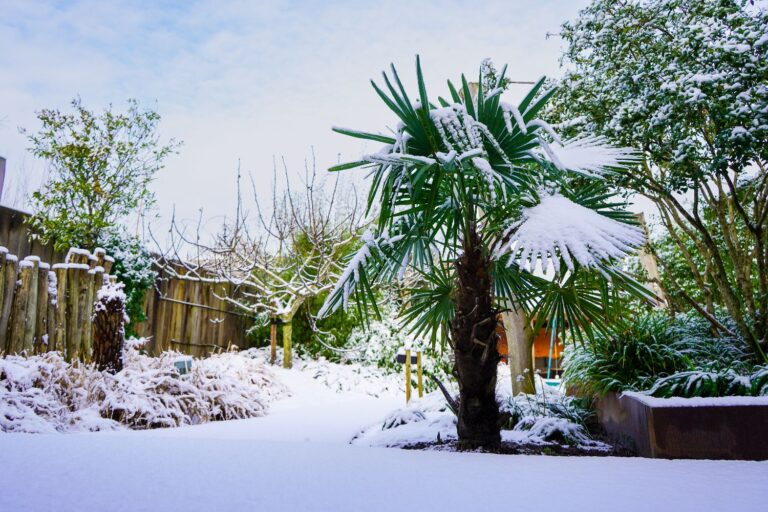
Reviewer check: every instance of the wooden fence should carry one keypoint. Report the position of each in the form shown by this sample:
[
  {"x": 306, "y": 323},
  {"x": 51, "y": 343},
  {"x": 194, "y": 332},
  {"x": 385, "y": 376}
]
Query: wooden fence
[
  {"x": 44, "y": 308},
  {"x": 15, "y": 236},
  {"x": 190, "y": 315},
  {"x": 183, "y": 314}
]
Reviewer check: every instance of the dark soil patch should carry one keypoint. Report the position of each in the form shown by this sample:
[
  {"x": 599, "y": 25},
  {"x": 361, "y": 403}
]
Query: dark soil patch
[{"x": 509, "y": 448}]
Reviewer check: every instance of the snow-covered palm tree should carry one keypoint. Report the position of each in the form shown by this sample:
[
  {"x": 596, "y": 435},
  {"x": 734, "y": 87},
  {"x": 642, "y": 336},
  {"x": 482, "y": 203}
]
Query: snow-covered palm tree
[{"x": 483, "y": 205}]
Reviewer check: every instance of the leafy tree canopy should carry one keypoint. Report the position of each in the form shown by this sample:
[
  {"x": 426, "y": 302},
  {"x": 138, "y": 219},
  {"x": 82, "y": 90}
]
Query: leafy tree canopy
[
  {"x": 100, "y": 168},
  {"x": 686, "y": 82}
]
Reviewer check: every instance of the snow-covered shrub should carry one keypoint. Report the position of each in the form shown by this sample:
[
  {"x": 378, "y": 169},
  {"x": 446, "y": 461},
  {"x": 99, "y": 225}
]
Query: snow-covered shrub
[
  {"x": 339, "y": 377},
  {"x": 424, "y": 420},
  {"x": 546, "y": 404},
  {"x": 44, "y": 393},
  {"x": 654, "y": 348},
  {"x": 546, "y": 418},
  {"x": 150, "y": 393},
  {"x": 699, "y": 383},
  {"x": 402, "y": 417},
  {"x": 379, "y": 342},
  {"x": 553, "y": 430}
]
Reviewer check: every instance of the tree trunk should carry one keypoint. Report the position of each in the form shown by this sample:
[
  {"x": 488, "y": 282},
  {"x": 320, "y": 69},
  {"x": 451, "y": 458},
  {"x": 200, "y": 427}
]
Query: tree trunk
[
  {"x": 520, "y": 348},
  {"x": 287, "y": 343},
  {"x": 473, "y": 333},
  {"x": 109, "y": 329}
]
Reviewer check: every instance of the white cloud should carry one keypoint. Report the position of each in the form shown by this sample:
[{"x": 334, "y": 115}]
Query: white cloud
[{"x": 249, "y": 80}]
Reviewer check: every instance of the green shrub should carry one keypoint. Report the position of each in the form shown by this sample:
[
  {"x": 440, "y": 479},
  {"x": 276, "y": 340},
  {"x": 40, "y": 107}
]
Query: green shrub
[
  {"x": 670, "y": 357},
  {"x": 133, "y": 268}
]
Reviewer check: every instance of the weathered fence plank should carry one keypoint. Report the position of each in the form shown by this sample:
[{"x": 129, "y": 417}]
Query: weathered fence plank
[{"x": 8, "y": 276}]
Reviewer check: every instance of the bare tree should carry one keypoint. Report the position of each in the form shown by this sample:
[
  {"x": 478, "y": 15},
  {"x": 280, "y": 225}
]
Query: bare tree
[{"x": 290, "y": 252}]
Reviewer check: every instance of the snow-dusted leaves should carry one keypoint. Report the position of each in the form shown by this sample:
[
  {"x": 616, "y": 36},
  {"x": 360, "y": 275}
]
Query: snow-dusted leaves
[
  {"x": 355, "y": 269},
  {"x": 558, "y": 228}
]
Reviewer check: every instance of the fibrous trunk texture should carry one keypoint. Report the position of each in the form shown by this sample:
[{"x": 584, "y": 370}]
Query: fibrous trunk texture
[
  {"x": 109, "y": 332},
  {"x": 473, "y": 334}
]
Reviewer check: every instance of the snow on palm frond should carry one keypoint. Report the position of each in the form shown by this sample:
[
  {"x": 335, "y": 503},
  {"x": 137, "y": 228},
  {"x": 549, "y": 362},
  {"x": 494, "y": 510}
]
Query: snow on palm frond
[
  {"x": 344, "y": 287},
  {"x": 559, "y": 226},
  {"x": 589, "y": 154}
]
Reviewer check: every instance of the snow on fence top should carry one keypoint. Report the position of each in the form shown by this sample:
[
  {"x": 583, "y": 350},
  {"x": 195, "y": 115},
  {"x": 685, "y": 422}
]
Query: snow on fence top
[{"x": 44, "y": 308}]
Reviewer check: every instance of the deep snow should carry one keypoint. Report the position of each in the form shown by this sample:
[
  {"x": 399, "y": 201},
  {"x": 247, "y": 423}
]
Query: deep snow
[{"x": 297, "y": 458}]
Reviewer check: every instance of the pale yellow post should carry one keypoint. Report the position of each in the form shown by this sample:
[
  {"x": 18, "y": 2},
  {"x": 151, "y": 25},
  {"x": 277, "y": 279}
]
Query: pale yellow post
[
  {"x": 407, "y": 376},
  {"x": 418, "y": 374}
]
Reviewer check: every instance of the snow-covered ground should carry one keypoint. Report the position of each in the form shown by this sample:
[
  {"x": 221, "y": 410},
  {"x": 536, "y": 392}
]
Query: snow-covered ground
[{"x": 298, "y": 458}]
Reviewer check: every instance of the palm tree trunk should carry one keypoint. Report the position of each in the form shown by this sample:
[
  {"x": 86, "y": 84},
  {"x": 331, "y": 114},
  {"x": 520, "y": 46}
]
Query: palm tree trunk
[{"x": 473, "y": 333}]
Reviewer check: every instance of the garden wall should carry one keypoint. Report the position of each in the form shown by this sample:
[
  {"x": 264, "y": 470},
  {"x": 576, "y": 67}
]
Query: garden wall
[{"x": 688, "y": 428}]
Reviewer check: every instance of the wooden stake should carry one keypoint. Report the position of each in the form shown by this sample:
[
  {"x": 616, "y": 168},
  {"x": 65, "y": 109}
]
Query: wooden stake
[
  {"x": 418, "y": 374},
  {"x": 407, "y": 376}
]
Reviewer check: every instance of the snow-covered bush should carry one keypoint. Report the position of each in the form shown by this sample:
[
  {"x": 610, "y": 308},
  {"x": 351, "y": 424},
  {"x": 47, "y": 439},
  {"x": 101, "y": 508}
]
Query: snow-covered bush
[
  {"x": 701, "y": 383},
  {"x": 44, "y": 393},
  {"x": 340, "y": 377},
  {"x": 676, "y": 357},
  {"x": 133, "y": 268},
  {"x": 379, "y": 342},
  {"x": 553, "y": 430},
  {"x": 545, "y": 418}
]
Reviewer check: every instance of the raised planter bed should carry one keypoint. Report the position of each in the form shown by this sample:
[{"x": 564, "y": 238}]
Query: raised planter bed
[{"x": 687, "y": 428}]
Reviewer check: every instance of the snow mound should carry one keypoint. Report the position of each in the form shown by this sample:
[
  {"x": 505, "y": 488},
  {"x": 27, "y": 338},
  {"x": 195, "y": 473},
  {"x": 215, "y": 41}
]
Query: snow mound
[
  {"x": 340, "y": 377},
  {"x": 545, "y": 419},
  {"x": 45, "y": 394}
]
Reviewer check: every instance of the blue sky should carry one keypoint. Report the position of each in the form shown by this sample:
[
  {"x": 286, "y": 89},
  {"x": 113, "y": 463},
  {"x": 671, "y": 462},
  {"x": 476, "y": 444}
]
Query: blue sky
[{"x": 249, "y": 80}]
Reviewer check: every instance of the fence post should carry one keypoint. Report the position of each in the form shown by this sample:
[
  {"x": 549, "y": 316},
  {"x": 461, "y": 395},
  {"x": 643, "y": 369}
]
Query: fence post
[
  {"x": 62, "y": 282},
  {"x": 51, "y": 311},
  {"x": 73, "y": 313},
  {"x": 9, "y": 275},
  {"x": 41, "y": 312},
  {"x": 18, "y": 323},
  {"x": 3, "y": 281},
  {"x": 31, "y": 312}
]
